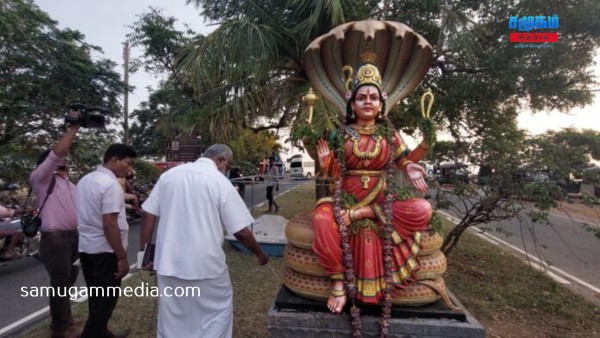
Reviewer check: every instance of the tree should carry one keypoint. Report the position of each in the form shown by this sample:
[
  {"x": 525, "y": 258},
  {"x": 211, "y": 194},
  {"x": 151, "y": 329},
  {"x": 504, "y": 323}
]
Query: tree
[
  {"x": 250, "y": 148},
  {"x": 171, "y": 111},
  {"x": 252, "y": 62},
  {"x": 42, "y": 70}
]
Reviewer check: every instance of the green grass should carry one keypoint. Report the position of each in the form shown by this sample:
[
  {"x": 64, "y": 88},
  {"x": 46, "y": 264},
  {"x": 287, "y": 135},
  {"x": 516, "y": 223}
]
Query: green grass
[
  {"x": 501, "y": 290},
  {"x": 504, "y": 294}
]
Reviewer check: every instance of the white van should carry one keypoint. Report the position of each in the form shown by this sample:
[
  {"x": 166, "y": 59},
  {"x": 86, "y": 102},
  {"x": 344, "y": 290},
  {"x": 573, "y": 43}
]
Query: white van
[{"x": 300, "y": 168}]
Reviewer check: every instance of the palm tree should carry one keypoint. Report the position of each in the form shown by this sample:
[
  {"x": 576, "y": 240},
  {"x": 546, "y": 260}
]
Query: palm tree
[{"x": 249, "y": 70}]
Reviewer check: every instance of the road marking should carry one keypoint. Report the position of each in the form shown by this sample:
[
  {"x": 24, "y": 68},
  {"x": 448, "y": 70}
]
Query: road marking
[
  {"x": 46, "y": 309},
  {"x": 24, "y": 320},
  {"x": 494, "y": 240},
  {"x": 274, "y": 197},
  {"x": 575, "y": 220},
  {"x": 544, "y": 264}
]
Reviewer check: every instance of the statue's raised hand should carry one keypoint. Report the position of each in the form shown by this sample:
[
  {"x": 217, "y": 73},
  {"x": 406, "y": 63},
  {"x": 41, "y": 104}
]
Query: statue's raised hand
[
  {"x": 416, "y": 174},
  {"x": 323, "y": 152}
]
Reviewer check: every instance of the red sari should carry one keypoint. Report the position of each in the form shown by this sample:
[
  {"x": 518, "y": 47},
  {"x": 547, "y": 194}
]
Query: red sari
[{"x": 366, "y": 158}]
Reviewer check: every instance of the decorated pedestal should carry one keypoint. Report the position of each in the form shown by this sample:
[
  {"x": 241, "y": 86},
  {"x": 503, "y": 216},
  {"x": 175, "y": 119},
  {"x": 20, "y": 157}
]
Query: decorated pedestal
[
  {"x": 300, "y": 309},
  {"x": 305, "y": 277}
]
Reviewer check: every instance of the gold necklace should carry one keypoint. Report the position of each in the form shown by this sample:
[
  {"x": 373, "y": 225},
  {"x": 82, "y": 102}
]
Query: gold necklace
[
  {"x": 366, "y": 155},
  {"x": 365, "y": 130}
]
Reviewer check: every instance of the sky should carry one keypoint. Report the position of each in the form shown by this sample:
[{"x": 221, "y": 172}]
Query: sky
[{"x": 104, "y": 23}]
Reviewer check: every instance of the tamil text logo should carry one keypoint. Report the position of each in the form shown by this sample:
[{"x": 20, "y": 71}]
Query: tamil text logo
[{"x": 526, "y": 24}]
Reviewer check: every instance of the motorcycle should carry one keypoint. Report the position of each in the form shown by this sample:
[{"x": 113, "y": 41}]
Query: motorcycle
[
  {"x": 27, "y": 247},
  {"x": 142, "y": 192}
]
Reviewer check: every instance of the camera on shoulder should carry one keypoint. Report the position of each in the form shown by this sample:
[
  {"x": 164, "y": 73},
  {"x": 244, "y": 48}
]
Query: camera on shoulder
[{"x": 89, "y": 116}]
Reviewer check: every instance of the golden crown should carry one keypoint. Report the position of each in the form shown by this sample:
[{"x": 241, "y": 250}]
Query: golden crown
[{"x": 366, "y": 74}]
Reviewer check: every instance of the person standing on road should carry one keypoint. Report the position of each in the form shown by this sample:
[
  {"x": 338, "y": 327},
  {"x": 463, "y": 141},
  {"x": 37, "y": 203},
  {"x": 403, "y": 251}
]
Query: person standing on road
[
  {"x": 59, "y": 237},
  {"x": 103, "y": 233},
  {"x": 194, "y": 202},
  {"x": 271, "y": 178}
]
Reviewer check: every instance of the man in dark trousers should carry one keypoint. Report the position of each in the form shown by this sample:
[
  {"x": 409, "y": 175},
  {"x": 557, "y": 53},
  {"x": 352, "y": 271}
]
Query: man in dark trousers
[
  {"x": 58, "y": 247},
  {"x": 272, "y": 181},
  {"x": 103, "y": 232}
]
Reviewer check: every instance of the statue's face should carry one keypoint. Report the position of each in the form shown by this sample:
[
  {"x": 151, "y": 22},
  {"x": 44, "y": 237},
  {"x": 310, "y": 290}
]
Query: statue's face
[{"x": 367, "y": 104}]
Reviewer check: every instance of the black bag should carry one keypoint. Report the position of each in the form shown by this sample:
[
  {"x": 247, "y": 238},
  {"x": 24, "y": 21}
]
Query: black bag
[{"x": 31, "y": 223}]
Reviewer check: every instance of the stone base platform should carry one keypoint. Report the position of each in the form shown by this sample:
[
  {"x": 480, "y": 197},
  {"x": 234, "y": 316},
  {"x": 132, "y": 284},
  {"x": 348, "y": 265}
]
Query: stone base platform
[{"x": 293, "y": 316}]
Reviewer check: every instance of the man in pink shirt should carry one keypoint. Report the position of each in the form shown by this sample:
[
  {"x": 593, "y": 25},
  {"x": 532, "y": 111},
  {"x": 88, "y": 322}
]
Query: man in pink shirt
[{"x": 59, "y": 243}]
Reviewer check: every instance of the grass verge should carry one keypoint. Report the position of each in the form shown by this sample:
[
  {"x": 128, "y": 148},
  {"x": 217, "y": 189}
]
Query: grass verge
[{"x": 510, "y": 299}]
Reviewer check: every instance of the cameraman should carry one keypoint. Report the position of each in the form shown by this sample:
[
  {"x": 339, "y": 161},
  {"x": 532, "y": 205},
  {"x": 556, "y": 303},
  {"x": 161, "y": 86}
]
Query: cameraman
[{"x": 59, "y": 243}]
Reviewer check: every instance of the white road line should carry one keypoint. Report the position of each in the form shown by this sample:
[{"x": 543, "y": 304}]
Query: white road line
[
  {"x": 542, "y": 263},
  {"x": 494, "y": 240},
  {"x": 46, "y": 309},
  {"x": 575, "y": 220},
  {"x": 24, "y": 320},
  {"x": 274, "y": 197}
]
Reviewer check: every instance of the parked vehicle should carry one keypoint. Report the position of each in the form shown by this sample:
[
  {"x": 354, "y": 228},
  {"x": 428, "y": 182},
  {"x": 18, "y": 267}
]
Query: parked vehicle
[
  {"x": 452, "y": 172},
  {"x": 429, "y": 170},
  {"x": 302, "y": 169}
]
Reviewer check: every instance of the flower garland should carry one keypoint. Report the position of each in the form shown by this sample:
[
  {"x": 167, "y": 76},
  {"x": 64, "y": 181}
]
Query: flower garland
[
  {"x": 347, "y": 250},
  {"x": 388, "y": 229}
]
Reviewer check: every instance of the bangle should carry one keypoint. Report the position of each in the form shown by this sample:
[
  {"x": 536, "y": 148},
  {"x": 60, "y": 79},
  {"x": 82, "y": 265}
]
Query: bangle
[
  {"x": 406, "y": 163},
  {"x": 352, "y": 214}
]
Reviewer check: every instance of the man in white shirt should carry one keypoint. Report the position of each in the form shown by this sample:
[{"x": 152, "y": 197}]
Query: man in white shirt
[
  {"x": 194, "y": 203},
  {"x": 103, "y": 233}
]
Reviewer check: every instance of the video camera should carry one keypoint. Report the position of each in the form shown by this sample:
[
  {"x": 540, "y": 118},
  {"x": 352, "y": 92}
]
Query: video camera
[{"x": 90, "y": 117}]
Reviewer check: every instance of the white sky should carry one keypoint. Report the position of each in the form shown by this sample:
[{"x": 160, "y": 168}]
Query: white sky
[{"x": 104, "y": 24}]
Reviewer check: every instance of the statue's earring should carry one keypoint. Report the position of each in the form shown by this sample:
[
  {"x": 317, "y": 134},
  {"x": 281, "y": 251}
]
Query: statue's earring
[{"x": 352, "y": 115}]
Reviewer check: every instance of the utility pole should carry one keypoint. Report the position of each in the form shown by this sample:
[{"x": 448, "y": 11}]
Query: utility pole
[{"x": 126, "y": 93}]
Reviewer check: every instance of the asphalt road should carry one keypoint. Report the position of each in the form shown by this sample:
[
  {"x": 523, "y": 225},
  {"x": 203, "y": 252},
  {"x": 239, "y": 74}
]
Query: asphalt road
[
  {"x": 569, "y": 251},
  {"x": 29, "y": 272}
]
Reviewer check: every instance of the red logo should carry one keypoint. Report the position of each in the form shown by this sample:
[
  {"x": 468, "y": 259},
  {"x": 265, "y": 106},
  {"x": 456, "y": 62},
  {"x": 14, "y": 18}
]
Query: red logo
[{"x": 534, "y": 37}]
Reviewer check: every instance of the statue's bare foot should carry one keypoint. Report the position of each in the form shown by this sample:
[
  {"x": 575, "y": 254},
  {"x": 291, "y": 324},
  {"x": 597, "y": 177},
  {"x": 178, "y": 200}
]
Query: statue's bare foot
[{"x": 337, "y": 299}]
